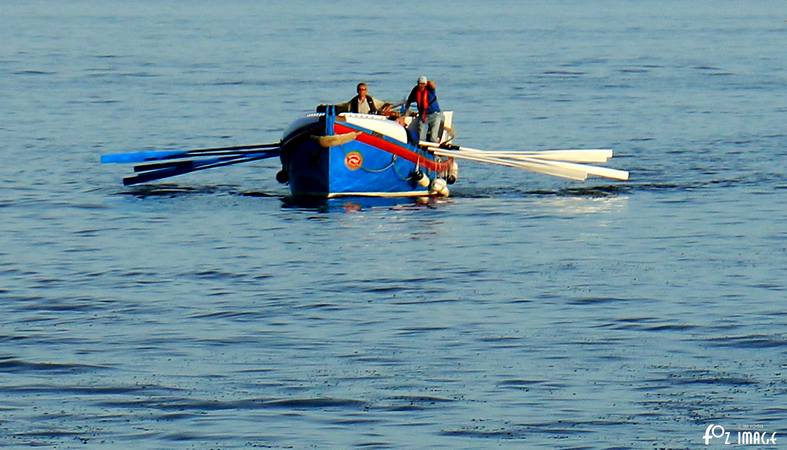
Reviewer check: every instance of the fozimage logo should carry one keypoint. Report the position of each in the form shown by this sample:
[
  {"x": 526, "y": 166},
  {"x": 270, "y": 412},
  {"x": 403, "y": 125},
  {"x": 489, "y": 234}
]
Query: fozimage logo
[{"x": 746, "y": 435}]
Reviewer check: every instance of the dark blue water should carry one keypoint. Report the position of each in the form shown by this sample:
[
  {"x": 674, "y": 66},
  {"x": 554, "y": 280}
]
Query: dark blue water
[{"x": 206, "y": 311}]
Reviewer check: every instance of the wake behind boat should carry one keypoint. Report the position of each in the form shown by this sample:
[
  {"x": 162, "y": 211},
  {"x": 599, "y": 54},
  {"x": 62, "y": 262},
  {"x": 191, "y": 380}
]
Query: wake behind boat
[{"x": 328, "y": 155}]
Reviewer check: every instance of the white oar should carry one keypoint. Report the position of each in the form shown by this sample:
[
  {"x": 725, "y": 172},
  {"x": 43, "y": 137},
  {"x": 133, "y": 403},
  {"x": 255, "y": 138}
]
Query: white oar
[
  {"x": 587, "y": 169},
  {"x": 533, "y": 166},
  {"x": 597, "y": 171},
  {"x": 604, "y": 172},
  {"x": 589, "y": 155},
  {"x": 583, "y": 156}
]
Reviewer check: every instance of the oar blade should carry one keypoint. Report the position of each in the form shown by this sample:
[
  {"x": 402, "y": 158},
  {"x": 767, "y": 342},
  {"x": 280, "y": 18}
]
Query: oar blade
[
  {"x": 532, "y": 166},
  {"x": 604, "y": 172}
]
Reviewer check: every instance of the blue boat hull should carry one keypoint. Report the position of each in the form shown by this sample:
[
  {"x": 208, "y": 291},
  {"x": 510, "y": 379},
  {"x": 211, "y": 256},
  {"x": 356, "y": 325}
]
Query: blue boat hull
[{"x": 370, "y": 164}]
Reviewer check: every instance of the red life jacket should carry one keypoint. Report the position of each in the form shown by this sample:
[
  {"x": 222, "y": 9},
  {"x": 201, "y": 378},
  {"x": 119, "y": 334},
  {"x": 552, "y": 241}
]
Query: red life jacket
[{"x": 422, "y": 100}]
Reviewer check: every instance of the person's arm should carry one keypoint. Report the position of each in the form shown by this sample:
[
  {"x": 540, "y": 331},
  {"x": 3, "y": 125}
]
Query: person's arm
[
  {"x": 431, "y": 84},
  {"x": 342, "y": 107},
  {"x": 408, "y": 102},
  {"x": 378, "y": 104}
]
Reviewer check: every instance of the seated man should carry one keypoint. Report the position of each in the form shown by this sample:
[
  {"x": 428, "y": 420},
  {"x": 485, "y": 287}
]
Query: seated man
[{"x": 362, "y": 103}]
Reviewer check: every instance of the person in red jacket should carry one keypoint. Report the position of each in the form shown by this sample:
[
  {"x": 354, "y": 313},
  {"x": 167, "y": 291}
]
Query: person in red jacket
[{"x": 430, "y": 118}]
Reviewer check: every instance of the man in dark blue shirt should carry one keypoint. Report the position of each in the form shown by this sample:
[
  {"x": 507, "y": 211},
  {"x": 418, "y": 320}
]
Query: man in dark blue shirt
[{"x": 424, "y": 95}]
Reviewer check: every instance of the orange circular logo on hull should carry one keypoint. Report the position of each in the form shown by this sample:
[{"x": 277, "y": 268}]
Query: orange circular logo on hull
[{"x": 353, "y": 160}]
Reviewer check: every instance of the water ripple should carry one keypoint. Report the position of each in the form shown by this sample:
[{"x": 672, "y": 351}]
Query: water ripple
[{"x": 12, "y": 365}]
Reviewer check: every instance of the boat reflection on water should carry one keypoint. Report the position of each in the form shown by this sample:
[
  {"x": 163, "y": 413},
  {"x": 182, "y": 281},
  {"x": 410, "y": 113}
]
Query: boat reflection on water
[{"x": 355, "y": 204}]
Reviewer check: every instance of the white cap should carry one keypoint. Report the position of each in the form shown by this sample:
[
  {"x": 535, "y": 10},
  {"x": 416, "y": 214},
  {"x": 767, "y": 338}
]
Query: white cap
[{"x": 422, "y": 79}]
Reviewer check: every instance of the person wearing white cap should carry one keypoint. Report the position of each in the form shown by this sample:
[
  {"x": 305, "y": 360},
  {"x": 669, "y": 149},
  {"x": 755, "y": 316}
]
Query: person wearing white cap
[{"x": 424, "y": 95}]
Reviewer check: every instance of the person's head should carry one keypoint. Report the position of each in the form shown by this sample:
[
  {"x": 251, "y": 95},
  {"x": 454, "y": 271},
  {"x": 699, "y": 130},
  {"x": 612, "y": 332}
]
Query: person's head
[
  {"x": 362, "y": 89},
  {"x": 422, "y": 81}
]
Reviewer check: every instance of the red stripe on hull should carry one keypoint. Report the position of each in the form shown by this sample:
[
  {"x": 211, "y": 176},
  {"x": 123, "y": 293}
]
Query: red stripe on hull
[{"x": 397, "y": 150}]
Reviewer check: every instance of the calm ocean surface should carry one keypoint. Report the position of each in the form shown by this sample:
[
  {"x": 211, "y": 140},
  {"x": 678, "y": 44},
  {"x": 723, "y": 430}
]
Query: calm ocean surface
[{"x": 204, "y": 311}]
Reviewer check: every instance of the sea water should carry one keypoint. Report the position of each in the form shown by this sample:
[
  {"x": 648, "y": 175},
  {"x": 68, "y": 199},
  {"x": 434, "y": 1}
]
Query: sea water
[{"x": 207, "y": 311}]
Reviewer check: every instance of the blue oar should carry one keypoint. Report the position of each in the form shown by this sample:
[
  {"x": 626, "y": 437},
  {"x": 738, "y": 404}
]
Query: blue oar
[
  {"x": 157, "y": 155},
  {"x": 195, "y": 166},
  {"x": 121, "y": 158},
  {"x": 191, "y": 162}
]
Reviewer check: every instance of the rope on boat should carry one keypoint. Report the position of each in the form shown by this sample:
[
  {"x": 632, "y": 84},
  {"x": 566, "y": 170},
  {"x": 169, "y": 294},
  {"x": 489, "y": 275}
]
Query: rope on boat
[{"x": 393, "y": 160}]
